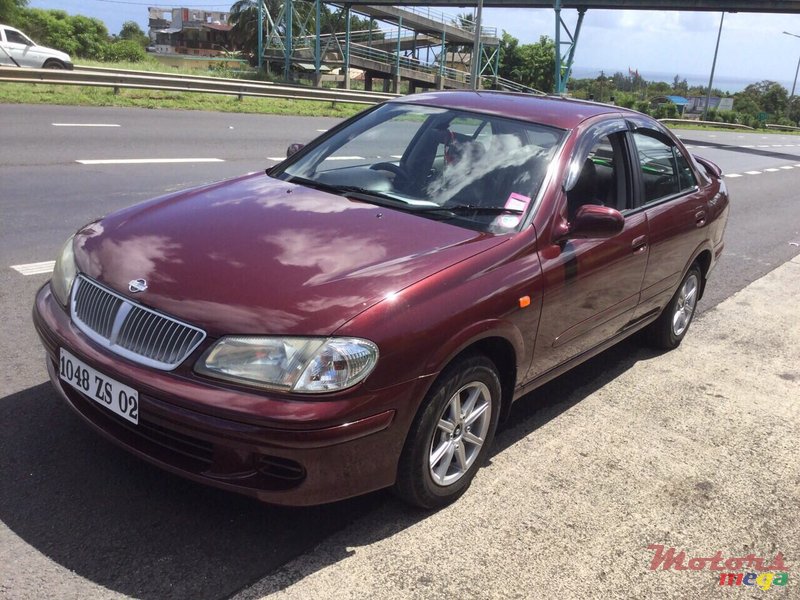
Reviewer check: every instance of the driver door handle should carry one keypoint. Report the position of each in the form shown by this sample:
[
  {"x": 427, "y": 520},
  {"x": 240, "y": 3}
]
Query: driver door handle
[
  {"x": 700, "y": 218},
  {"x": 639, "y": 244}
]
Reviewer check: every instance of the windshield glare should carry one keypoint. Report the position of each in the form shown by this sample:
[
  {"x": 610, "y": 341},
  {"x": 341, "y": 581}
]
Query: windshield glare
[{"x": 486, "y": 169}]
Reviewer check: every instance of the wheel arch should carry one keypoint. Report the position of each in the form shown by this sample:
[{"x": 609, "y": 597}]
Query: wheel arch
[
  {"x": 54, "y": 61},
  {"x": 505, "y": 348},
  {"x": 703, "y": 257}
]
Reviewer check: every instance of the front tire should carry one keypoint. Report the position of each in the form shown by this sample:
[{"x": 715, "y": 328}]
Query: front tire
[
  {"x": 450, "y": 437},
  {"x": 54, "y": 64},
  {"x": 668, "y": 331}
]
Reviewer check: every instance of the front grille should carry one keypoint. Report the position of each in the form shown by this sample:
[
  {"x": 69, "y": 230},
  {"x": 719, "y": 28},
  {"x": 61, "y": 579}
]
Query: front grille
[{"x": 131, "y": 330}]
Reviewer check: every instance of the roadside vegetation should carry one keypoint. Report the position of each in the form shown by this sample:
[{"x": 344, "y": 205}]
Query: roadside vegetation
[
  {"x": 21, "y": 93},
  {"x": 759, "y": 103}
]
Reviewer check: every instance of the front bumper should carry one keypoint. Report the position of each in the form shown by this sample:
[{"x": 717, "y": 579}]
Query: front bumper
[{"x": 308, "y": 452}]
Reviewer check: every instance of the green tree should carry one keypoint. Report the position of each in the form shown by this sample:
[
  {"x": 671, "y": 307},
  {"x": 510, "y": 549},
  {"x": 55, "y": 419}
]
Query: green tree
[
  {"x": 243, "y": 19},
  {"x": 76, "y": 35},
  {"x": 131, "y": 31},
  {"x": 50, "y": 28},
  {"x": 91, "y": 36},
  {"x": 680, "y": 86},
  {"x": 768, "y": 96},
  {"x": 9, "y": 10},
  {"x": 529, "y": 64},
  {"x": 793, "y": 111}
]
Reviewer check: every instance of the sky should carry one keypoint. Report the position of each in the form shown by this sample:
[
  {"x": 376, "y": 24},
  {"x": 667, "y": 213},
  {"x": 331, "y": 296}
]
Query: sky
[{"x": 660, "y": 44}]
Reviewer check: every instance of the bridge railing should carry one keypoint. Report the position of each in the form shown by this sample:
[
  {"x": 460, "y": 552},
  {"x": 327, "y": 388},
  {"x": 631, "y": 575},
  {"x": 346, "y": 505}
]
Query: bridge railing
[
  {"x": 390, "y": 59},
  {"x": 451, "y": 20}
]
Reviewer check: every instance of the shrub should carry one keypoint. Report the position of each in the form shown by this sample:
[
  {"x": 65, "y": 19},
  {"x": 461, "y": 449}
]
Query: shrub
[
  {"x": 76, "y": 35},
  {"x": 125, "y": 51}
]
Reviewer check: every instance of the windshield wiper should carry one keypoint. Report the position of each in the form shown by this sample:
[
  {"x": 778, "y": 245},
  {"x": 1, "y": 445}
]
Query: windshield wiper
[
  {"x": 465, "y": 208},
  {"x": 351, "y": 191}
]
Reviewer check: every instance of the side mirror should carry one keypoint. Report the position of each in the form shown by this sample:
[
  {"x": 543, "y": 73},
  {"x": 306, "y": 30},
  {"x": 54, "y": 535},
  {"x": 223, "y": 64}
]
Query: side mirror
[
  {"x": 596, "y": 222},
  {"x": 293, "y": 149}
]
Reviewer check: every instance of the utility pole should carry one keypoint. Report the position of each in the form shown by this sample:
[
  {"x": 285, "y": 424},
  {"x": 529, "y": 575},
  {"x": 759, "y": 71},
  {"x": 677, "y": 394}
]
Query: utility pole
[
  {"x": 260, "y": 35},
  {"x": 713, "y": 67},
  {"x": 794, "y": 85}
]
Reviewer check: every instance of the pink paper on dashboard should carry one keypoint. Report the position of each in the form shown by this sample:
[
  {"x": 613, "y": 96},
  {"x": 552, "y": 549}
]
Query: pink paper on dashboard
[{"x": 517, "y": 202}]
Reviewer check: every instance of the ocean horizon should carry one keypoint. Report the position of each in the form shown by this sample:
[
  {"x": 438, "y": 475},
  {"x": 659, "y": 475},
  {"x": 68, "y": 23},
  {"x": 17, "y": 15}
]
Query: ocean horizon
[{"x": 725, "y": 83}]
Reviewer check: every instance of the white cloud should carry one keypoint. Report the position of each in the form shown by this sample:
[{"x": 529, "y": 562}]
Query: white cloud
[{"x": 752, "y": 46}]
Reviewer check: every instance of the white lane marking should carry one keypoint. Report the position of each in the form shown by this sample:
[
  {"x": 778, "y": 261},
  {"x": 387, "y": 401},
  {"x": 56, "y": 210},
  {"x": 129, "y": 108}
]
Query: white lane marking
[
  {"x": 763, "y": 146},
  {"x": 85, "y": 125},
  {"x": 798, "y": 166},
  {"x": 771, "y": 170},
  {"x": 276, "y": 158},
  {"x": 345, "y": 158},
  {"x": 752, "y": 172},
  {"x": 35, "y": 268},
  {"x": 732, "y": 175},
  {"x": 322, "y": 130},
  {"x": 395, "y": 156},
  {"x": 145, "y": 161},
  {"x": 787, "y": 167}
]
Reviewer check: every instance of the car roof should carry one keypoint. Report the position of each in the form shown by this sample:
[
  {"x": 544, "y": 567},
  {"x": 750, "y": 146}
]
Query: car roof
[{"x": 555, "y": 111}]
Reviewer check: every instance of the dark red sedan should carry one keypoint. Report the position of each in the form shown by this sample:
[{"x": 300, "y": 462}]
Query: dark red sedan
[{"x": 362, "y": 315}]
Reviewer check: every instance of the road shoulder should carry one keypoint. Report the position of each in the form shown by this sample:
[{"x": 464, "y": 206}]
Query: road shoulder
[{"x": 695, "y": 449}]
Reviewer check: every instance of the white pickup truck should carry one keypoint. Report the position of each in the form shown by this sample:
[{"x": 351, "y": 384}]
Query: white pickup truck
[{"x": 18, "y": 50}]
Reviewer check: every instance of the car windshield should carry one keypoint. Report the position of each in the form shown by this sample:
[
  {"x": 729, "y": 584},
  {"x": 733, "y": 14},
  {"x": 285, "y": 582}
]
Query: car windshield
[{"x": 474, "y": 170}]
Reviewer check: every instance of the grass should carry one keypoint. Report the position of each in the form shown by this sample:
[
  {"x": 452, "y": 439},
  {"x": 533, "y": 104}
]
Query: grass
[
  {"x": 154, "y": 66},
  {"x": 69, "y": 95},
  {"x": 688, "y": 126},
  {"x": 24, "y": 93}
]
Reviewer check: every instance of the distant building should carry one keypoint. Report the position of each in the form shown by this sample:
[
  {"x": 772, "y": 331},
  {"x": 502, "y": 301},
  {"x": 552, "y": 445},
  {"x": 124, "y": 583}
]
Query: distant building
[
  {"x": 189, "y": 31},
  {"x": 679, "y": 101},
  {"x": 697, "y": 104}
]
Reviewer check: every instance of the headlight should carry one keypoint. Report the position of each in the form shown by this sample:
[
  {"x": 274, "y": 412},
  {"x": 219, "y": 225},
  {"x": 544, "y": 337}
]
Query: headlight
[
  {"x": 64, "y": 273},
  {"x": 290, "y": 364}
]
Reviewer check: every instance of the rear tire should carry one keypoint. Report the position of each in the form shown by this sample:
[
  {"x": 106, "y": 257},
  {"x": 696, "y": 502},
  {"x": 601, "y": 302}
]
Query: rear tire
[
  {"x": 451, "y": 435},
  {"x": 667, "y": 332}
]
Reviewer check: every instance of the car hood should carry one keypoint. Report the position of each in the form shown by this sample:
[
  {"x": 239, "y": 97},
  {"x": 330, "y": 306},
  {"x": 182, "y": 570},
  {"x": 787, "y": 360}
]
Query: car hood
[
  {"x": 256, "y": 255},
  {"x": 53, "y": 52}
]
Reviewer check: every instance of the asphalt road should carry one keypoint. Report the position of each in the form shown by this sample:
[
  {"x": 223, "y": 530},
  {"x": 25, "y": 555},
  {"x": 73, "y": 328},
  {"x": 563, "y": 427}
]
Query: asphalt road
[{"x": 79, "y": 518}]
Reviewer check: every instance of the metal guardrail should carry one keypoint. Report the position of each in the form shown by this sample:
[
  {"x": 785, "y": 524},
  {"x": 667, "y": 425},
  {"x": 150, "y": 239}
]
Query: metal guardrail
[
  {"x": 719, "y": 124},
  {"x": 122, "y": 78},
  {"x": 781, "y": 127}
]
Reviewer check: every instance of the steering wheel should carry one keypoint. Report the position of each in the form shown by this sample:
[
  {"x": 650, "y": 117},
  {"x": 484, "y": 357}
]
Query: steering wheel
[{"x": 399, "y": 172}]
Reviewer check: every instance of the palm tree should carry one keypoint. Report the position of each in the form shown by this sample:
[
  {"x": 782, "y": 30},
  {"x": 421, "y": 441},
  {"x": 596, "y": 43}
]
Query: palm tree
[{"x": 244, "y": 24}]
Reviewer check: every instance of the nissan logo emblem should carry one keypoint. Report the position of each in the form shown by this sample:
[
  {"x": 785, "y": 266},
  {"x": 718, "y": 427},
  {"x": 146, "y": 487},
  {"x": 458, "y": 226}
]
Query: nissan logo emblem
[{"x": 137, "y": 285}]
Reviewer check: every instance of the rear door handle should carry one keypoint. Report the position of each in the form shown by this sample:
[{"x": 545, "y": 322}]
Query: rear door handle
[
  {"x": 639, "y": 244},
  {"x": 700, "y": 218}
]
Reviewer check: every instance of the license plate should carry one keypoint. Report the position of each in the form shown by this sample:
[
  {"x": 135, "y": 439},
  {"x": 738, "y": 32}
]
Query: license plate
[{"x": 107, "y": 392}]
